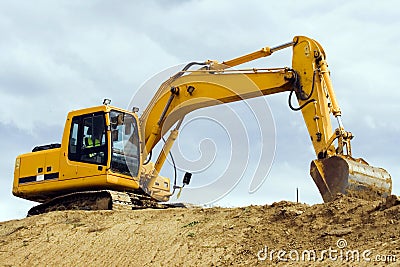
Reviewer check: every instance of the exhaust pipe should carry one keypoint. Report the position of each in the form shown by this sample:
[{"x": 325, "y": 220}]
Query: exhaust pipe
[{"x": 351, "y": 177}]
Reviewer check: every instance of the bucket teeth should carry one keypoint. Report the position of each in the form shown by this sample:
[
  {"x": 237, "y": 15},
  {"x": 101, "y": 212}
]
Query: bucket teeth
[{"x": 351, "y": 177}]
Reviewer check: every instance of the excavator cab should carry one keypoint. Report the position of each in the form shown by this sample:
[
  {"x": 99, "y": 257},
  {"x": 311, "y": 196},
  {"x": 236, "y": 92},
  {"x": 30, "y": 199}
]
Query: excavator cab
[
  {"x": 100, "y": 150},
  {"x": 107, "y": 139}
]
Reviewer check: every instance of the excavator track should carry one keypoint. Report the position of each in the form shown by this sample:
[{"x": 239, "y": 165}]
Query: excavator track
[{"x": 100, "y": 200}]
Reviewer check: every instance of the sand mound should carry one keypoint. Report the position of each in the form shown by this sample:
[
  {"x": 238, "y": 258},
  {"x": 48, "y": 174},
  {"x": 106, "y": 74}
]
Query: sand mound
[{"x": 345, "y": 232}]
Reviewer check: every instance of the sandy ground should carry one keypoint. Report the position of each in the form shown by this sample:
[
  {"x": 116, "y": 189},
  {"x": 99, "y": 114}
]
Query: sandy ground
[{"x": 345, "y": 232}]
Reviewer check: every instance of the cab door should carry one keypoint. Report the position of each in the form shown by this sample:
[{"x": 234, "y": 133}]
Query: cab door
[{"x": 87, "y": 152}]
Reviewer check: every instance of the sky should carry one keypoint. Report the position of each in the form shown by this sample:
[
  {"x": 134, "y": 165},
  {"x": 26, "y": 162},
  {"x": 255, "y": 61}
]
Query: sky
[{"x": 58, "y": 56}]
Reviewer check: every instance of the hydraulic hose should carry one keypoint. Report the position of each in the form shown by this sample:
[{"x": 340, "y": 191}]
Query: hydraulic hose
[
  {"x": 148, "y": 158},
  {"x": 174, "y": 165},
  {"x": 296, "y": 85}
]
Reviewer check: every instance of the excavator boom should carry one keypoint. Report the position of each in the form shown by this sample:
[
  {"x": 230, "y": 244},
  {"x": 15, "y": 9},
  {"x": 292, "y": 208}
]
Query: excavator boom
[{"x": 334, "y": 171}]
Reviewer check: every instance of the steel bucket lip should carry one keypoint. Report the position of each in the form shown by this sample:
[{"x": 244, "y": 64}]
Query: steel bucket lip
[{"x": 349, "y": 176}]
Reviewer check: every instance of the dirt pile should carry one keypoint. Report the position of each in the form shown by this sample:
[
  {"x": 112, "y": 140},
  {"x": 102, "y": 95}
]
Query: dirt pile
[{"x": 345, "y": 232}]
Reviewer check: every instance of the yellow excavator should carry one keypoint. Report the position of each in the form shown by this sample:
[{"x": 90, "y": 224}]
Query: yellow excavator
[{"x": 103, "y": 159}]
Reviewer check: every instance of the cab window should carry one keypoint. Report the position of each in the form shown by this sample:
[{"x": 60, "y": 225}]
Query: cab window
[
  {"x": 88, "y": 139},
  {"x": 125, "y": 156}
]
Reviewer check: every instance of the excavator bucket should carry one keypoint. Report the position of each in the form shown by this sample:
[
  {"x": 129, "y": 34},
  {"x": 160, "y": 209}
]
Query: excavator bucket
[{"x": 351, "y": 177}]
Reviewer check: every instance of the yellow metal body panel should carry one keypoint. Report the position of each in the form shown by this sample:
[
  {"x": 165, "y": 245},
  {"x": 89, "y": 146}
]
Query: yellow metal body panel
[
  {"x": 316, "y": 116},
  {"x": 72, "y": 177},
  {"x": 59, "y": 175},
  {"x": 31, "y": 163}
]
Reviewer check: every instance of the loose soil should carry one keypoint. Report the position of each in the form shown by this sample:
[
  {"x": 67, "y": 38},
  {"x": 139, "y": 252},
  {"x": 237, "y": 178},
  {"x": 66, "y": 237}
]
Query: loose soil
[{"x": 345, "y": 232}]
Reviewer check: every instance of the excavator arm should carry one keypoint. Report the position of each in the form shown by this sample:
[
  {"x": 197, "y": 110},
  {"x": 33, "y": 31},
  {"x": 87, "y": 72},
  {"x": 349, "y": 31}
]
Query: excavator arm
[{"x": 334, "y": 171}]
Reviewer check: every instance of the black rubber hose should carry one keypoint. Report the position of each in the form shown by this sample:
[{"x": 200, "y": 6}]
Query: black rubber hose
[
  {"x": 148, "y": 158},
  {"x": 307, "y": 98},
  {"x": 192, "y": 64},
  {"x": 174, "y": 165},
  {"x": 312, "y": 88},
  {"x": 302, "y": 106}
]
